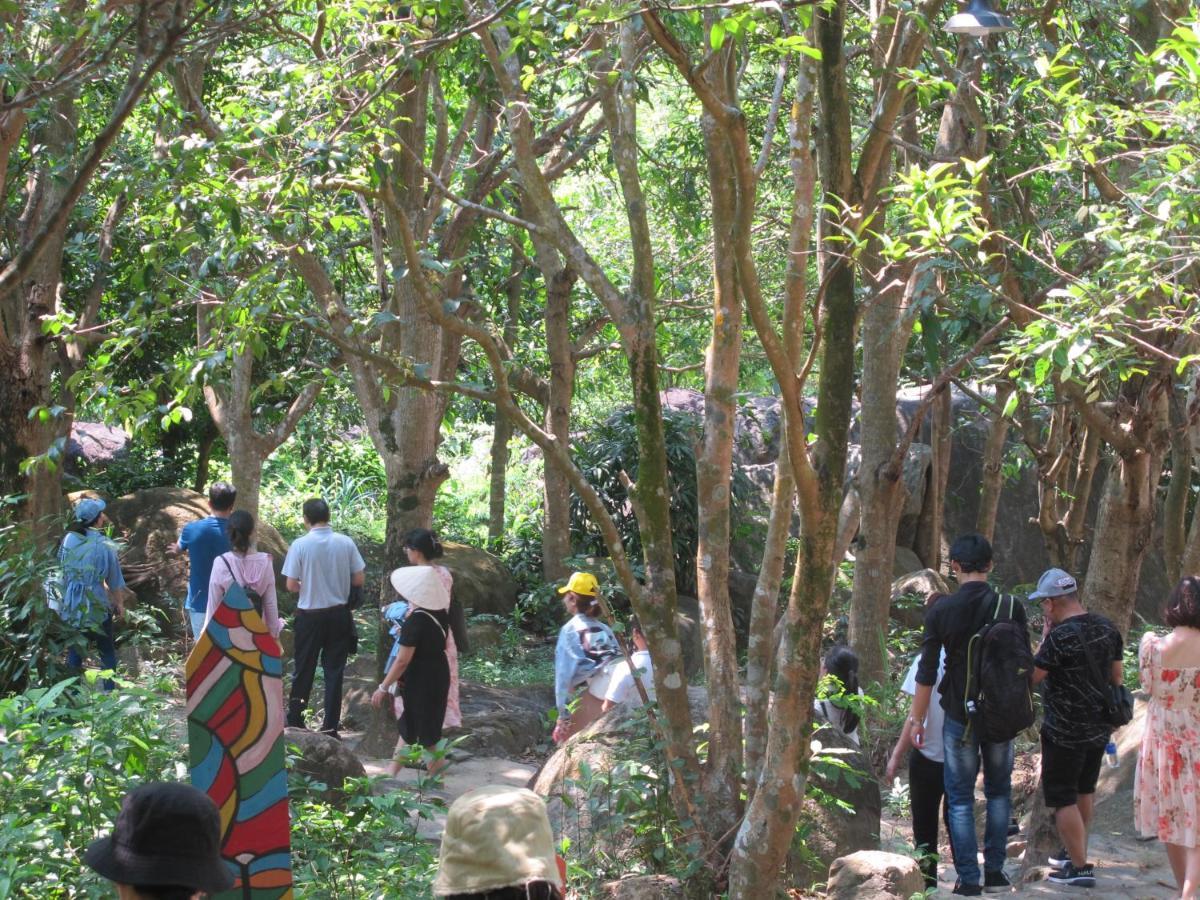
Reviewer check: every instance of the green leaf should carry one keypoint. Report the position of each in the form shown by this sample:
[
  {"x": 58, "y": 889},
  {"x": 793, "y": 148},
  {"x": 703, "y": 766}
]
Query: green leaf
[{"x": 716, "y": 36}]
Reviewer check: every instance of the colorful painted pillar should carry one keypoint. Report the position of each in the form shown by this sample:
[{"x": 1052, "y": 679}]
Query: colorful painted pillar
[{"x": 235, "y": 736}]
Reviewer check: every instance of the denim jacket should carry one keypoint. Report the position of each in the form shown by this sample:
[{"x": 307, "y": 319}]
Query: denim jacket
[{"x": 584, "y": 646}]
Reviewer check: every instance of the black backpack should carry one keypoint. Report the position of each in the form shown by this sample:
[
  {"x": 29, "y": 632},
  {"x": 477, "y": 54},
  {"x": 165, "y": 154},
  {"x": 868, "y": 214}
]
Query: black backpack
[{"x": 999, "y": 693}]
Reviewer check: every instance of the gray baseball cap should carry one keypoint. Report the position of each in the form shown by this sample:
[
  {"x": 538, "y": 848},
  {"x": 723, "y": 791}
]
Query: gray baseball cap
[{"x": 1054, "y": 583}]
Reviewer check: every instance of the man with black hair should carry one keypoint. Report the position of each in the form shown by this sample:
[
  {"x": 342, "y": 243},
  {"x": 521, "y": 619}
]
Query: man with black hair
[
  {"x": 949, "y": 626},
  {"x": 321, "y": 567},
  {"x": 205, "y": 540}
]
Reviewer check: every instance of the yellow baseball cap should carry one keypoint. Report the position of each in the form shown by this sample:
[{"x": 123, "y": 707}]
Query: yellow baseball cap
[{"x": 583, "y": 583}]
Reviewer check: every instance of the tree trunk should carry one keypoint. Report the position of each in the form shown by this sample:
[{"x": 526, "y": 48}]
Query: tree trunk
[
  {"x": 1175, "y": 506},
  {"x": 203, "y": 458},
  {"x": 1123, "y": 529},
  {"x": 501, "y": 435},
  {"x": 502, "y": 430},
  {"x": 246, "y": 458},
  {"x": 714, "y": 467},
  {"x": 559, "y": 280},
  {"x": 881, "y": 490},
  {"x": 933, "y": 512},
  {"x": 993, "y": 463}
]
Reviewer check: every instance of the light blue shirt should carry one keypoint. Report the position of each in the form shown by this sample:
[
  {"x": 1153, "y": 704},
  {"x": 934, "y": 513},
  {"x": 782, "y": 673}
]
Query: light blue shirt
[
  {"x": 584, "y": 645},
  {"x": 323, "y": 561},
  {"x": 89, "y": 562}
]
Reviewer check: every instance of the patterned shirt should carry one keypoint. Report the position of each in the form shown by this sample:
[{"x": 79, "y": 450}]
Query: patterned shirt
[{"x": 1074, "y": 697}]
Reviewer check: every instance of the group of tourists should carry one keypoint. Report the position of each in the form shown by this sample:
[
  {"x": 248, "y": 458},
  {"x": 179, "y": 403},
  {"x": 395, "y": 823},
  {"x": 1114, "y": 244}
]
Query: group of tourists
[
  {"x": 977, "y": 656},
  {"x": 970, "y": 636}
]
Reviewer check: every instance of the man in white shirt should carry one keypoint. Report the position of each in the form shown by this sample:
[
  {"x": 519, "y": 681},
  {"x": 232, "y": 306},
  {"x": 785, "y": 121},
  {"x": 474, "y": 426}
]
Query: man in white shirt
[
  {"x": 321, "y": 566},
  {"x": 618, "y": 687}
]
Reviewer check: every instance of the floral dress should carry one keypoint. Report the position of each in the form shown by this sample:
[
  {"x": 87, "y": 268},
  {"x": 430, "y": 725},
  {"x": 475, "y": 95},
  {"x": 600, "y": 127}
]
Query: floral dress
[{"x": 1168, "y": 767}]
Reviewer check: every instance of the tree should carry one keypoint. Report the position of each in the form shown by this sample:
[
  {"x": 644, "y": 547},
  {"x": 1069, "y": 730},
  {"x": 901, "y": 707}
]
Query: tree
[{"x": 68, "y": 61}]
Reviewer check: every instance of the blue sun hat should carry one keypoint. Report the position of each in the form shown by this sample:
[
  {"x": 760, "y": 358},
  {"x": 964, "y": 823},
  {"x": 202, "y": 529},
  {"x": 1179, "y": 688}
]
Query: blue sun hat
[{"x": 88, "y": 509}]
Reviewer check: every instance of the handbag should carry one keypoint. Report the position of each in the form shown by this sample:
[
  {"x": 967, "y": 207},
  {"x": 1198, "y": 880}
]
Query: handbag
[{"x": 1118, "y": 701}]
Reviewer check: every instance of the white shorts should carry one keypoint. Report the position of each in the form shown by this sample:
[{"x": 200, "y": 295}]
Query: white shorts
[{"x": 598, "y": 684}]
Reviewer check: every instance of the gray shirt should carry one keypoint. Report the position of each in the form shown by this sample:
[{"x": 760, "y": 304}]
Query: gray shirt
[{"x": 323, "y": 561}]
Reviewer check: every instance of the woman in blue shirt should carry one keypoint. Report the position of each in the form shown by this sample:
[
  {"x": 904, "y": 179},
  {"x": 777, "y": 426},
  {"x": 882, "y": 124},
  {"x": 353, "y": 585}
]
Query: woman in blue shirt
[
  {"x": 93, "y": 586},
  {"x": 585, "y": 647}
]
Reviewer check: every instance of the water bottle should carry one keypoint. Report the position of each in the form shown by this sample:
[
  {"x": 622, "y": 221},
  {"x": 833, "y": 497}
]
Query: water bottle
[{"x": 1110, "y": 756}]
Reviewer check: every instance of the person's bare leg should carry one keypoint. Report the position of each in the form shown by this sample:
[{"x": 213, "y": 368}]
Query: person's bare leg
[
  {"x": 1070, "y": 831},
  {"x": 1178, "y": 858},
  {"x": 1086, "y": 804},
  {"x": 397, "y": 763},
  {"x": 1191, "y": 877}
]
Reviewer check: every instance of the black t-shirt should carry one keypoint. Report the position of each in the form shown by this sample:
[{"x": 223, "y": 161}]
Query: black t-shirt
[
  {"x": 951, "y": 623},
  {"x": 1074, "y": 696}
]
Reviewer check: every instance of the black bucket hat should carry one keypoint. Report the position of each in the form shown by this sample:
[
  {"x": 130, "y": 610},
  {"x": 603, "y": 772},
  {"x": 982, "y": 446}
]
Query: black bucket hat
[{"x": 166, "y": 834}]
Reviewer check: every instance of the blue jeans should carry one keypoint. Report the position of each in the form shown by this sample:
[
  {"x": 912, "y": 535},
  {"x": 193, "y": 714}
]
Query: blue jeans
[
  {"x": 196, "y": 620},
  {"x": 961, "y": 769},
  {"x": 105, "y": 646}
]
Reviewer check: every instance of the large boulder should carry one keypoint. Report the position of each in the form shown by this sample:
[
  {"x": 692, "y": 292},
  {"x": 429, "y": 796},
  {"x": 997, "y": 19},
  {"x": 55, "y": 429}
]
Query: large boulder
[
  {"x": 644, "y": 887},
  {"x": 909, "y": 593},
  {"x": 482, "y": 583},
  {"x": 874, "y": 875},
  {"x": 92, "y": 446},
  {"x": 323, "y": 758},
  {"x": 829, "y": 830},
  {"x": 148, "y": 524},
  {"x": 579, "y": 779},
  {"x": 497, "y": 722}
]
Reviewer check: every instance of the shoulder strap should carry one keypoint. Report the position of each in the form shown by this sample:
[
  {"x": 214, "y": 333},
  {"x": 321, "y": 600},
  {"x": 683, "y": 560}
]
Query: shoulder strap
[
  {"x": 231, "y": 575},
  {"x": 433, "y": 619},
  {"x": 1091, "y": 660}
]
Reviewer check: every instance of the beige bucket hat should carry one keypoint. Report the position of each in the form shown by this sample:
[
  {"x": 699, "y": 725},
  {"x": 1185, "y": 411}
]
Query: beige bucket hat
[{"x": 496, "y": 837}]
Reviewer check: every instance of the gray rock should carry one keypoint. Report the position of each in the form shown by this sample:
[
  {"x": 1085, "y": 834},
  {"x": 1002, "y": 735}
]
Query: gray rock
[
  {"x": 644, "y": 887},
  {"x": 483, "y": 635},
  {"x": 830, "y": 831},
  {"x": 482, "y": 583},
  {"x": 92, "y": 446},
  {"x": 905, "y": 562},
  {"x": 874, "y": 875},
  {"x": 503, "y": 722},
  {"x": 323, "y": 758},
  {"x": 687, "y": 621},
  {"x": 906, "y": 610}
]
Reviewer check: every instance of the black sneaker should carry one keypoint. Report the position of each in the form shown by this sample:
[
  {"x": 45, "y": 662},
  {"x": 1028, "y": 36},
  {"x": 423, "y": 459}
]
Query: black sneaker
[
  {"x": 996, "y": 883},
  {"x": 966, "y": 890},
  {"x": 1083, "y": 876},
  {"x": 1059, "y": 858}
]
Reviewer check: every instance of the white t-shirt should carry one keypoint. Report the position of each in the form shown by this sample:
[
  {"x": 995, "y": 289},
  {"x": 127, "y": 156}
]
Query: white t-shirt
[
  {"x": 615, "y": 683},
  {"x": 836, "y": 716},
  {"x": 323, "y": 561},
  {"x": 936, "y": 716}
]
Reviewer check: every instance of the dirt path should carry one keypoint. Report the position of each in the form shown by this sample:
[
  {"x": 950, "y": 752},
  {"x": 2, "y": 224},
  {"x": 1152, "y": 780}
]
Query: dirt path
[{"x": 458, "y": 778}]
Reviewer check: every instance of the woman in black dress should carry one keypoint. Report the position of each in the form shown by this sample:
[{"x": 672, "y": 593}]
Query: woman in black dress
[{"x": 421, "y": 661}]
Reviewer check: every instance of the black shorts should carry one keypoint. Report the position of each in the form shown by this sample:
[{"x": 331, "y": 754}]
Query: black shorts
[{"x": 1068, "y": 772}]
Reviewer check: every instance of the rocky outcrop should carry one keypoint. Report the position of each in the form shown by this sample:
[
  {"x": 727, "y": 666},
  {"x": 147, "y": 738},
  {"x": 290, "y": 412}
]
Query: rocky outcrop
[
  {"x": 644, "y": 887},
  {"x": 323, "y": 758},
  {"x": 92, "y": 446},
  {"x": 874, "y": 875},
  {"x": 829, "y": 830},
  {"x": 482, "y": 583}
]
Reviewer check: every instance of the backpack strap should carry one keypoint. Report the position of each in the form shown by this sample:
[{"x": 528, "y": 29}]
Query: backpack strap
[{"x": 231, "y": 575}]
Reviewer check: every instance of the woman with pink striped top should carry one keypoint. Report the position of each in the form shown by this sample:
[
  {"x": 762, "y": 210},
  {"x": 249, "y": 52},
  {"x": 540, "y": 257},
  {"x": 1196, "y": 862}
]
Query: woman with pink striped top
[{"x": 252, "y": 569}]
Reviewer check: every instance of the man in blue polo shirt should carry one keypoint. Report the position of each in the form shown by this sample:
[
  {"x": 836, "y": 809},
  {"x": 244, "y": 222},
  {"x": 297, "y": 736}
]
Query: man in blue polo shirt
[{"x": 205, "y": 540}]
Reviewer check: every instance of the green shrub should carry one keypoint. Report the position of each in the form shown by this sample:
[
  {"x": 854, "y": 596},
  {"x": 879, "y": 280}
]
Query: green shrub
[
  {"x": 69, "y": 754},
  {"x": 33, "y": 639}
]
